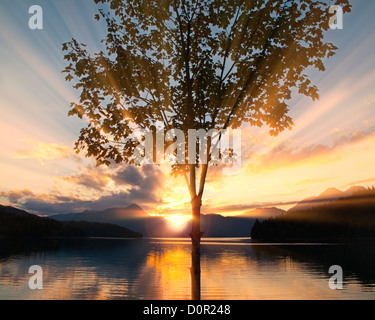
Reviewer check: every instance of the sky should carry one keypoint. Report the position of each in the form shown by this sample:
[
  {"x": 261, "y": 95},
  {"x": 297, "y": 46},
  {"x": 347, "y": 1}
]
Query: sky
[{"x": 331, "y": 144}]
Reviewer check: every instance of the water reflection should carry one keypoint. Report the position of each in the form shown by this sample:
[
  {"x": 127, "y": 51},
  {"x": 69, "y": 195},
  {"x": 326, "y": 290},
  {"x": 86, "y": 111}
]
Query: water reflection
[{"x": 160, "y": 269}]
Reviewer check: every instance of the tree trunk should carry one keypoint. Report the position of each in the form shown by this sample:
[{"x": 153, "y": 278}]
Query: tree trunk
[{"x": 196, "y": 235}]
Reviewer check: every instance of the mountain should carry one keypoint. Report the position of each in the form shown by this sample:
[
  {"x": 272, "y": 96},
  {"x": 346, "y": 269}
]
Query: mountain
[
  {"x": 132, "y": 217},
  {"x": 12, "y": 210},
  {"x": 22, "y": 224},
  {"x": 329, "y": 195},
  {"x": 263, "y": 213},
  {"x": 214, "y": 225},
  {"x": 113, "y": 215},
  {"x": 348, "y": 217},
  {"x": 97, "y": 229},
  {"x": 353, "y": 190}
]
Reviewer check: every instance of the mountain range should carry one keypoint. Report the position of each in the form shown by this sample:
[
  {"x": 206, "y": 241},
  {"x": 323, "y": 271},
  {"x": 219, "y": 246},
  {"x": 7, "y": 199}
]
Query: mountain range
[
  {"x": 262, "y": 213},
  {"x": 134, "y": 218},
  {"x": 213, "y": 225},
  {"x": 16, "y": 223},
  {"x": 333, "y": 216},
  {"x": 329, "y": 195}
]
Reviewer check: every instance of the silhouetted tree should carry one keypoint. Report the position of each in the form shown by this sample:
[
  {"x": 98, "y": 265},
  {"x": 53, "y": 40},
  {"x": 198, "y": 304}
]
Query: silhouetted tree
[{"x": 194, "y": 64}]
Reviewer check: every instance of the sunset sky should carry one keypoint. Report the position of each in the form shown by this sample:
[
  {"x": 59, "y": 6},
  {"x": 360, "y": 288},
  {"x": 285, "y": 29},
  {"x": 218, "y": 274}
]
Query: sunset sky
[{"x": 331, "y": 145}]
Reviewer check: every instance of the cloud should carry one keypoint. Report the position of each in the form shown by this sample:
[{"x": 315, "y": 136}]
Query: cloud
[
  {"x": 42, "y": 205},
  {"x": 129, "y": 175},
  {"x": 146, "y": 193},
  {"x": 92, "y": 178},
  {"x": 360, "y": 182},
  {"x": 369, "y": 101},
  {"x": 66, "y": 204},
  {"x": 290, "y": 152},
  {"x": 16, "y": 195},
  {"x": 141, "y": 180},
  {"x": 44, "y": 151}
]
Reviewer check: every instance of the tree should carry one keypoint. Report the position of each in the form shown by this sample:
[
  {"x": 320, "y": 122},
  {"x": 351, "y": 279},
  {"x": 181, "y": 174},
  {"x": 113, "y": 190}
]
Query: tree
[{"x": 194, "y": 64}]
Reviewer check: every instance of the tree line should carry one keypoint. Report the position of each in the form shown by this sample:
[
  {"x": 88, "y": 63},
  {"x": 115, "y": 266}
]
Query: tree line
[{"x": 346, "y": 218}]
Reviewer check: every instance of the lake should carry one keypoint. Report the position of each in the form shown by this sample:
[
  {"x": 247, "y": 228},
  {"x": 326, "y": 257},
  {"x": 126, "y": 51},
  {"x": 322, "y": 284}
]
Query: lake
[{"x": 231, "y": 268}]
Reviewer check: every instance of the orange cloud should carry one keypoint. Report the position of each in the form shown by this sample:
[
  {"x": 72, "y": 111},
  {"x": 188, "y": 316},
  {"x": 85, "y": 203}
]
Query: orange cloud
[
  {"x": 288, "y": 153},
  {"x": 91, "y": 178},
  {"x": 44, "y": 152}
]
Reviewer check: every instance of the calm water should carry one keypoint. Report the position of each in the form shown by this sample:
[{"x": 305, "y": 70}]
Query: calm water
[{"x": 159, "y": 269}]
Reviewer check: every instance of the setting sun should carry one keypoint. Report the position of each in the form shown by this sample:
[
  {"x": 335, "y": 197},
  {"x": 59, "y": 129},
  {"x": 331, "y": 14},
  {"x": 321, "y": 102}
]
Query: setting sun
[{"x": 178, "y": 222}]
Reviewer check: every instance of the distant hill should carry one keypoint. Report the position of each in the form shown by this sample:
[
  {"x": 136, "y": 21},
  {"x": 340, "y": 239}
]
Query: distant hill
[
  {"x": 331, "y": 194},
  {"x": 12, "y": 210},
  {"x": 21, "y": 224},
  {"x": 114, "y": 215},
  {"x": 214, "y": 225},
  {"x": 97, "y": 229},
  {"x": 263, "y": 213},
  {"x": 132, "y": 217},
  {"x": 135, "y": 218},
  {"x": 347, "y": 217}
]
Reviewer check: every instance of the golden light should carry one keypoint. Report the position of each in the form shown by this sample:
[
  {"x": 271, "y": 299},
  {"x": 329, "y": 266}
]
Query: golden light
[
  {"x": 178, "y": 222},
  {"x": 43, "y": 151}
]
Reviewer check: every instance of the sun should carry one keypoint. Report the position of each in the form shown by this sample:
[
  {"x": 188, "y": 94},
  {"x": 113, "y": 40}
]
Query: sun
[{"x": 177, "y": 221}]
